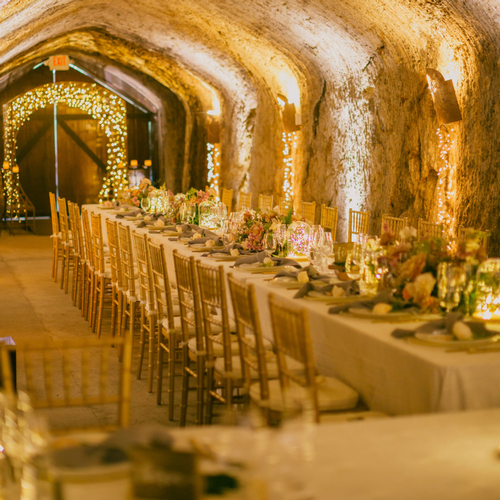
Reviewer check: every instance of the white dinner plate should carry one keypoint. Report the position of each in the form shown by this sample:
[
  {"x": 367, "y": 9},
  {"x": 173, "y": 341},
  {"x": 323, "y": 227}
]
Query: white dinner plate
[
  {"x": 224, "y": 256},
  {"x": 390, "y": 316},
  {"x": 287, "y": 282},
  {"x": 448, "y": 340}
]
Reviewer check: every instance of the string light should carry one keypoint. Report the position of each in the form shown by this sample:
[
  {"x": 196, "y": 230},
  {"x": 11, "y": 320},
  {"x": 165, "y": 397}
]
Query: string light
[
  {"x": 107, "y": 108},
  {"x": 445, "y": 184},
  {"x": 213, "y": 166},
  {"x": 289, "y": 146}
]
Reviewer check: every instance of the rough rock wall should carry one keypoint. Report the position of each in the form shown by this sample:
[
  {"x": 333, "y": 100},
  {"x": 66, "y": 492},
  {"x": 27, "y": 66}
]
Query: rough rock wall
[{"x": 369, "y": 129}]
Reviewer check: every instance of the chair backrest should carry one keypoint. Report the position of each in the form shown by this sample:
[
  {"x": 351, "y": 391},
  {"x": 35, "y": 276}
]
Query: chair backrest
[
  {"x": 73, "y": 373},
  {"x": 285, "y": 205},
  {"x": 72, "y": 225},
  {"x": 115, "y": 260},
  {"x": 429, "y": 229},
  {"x": 127, "y": 260},
  {"x": 53, "y": 214},
  {"x": 464, "y": 231},
  {"x": 87, "y": 234},
  {"x": 265, "y": 202},
  {"x": 97, "y": 243},
  {"x": 244, "y": 201},
  {"x": 63, "y": 219},
  {"x": 140, "y": 242},
  {"x": 328, "y": 220},
  {"x": 213, "y": 299},
  {"x": 161, "y": 283},
  {"x": 308, "y": 211},
  {"x": 292, "y": 342},
  {"x": 79, "y": 228},
  {"x": 395, "y": 224},
  {"x": 227, "y": 199},
  {"x": 252, "y": 350},
  {"x": 189, "y": 299},
  {"x": 358, "y": 223}
]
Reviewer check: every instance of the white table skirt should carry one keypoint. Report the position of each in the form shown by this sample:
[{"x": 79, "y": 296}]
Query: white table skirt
[
  {"x": 391, "y": 375},
  {"x": 433, "y": 457}
]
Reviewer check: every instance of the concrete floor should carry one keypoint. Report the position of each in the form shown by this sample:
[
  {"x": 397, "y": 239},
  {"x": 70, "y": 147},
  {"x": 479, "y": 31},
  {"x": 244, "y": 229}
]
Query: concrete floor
[{"x": 32, "y": 306}]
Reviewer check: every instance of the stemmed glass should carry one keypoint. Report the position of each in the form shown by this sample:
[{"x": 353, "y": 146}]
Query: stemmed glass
[
  {"x": 145, "y": 204},
  {"x": 355, "y": 261},
  {"x": 280, "y": 238},
  {"x": 451, "y": 283},
  {"x": 269, "y": 243},
  {"x": 316, "y": 239}
]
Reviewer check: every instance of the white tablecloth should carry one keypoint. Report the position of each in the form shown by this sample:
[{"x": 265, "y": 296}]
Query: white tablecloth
[{"x": 391, "y": 375}]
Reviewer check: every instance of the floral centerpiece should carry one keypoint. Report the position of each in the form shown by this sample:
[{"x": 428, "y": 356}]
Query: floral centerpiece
[
  {"x": 192, "y": 197},
  {"x": 411, "y": 265},
  {"x": 137, "y": 193}
]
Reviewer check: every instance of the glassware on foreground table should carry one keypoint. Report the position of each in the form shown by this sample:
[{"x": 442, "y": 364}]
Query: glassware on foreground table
[
  {"x": 280, "y": 238},
  {"x": 298, "y": 239},
  {"x": 188, "y": 212},
  {"x": 487, "y": 300},
  {"x": 451, "y": 279},
  {"x": 269, "y": 243},
  {"x": 355, "y": 261},
  {"x": 327, "y": 251},
  {"x": 145, "y": 204}
]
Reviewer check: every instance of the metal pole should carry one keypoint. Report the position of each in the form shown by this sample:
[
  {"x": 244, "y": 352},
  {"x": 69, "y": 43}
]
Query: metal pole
[{"x": 56, "y": 155}]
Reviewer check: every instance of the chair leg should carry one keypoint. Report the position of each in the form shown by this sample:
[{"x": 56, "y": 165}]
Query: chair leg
[
  {"x": 76, "y": 278},
  {"x": 100, "y": 309},
  {"x": 185, "y": 385},
  {"x": 142, "y": 341},
  {"x": 63, "y": 267},
  {"x": 152, "y": 331},
  {"x": 200, "y": 365},
  {"x": 210, "y": 398},
  {"x": 159, "y": 367},
  {"x": 68, "y": 262},
  {"x": 172, "y": 343},
  {"x": 114, "y": 309}
]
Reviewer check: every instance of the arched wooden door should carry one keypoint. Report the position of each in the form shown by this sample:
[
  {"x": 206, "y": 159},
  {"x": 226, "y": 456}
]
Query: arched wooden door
[{"x": 81, "y": 157}]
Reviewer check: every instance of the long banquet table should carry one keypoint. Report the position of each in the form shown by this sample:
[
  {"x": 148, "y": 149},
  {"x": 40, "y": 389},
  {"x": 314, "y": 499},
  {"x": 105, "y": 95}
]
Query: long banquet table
[{"x": 391, "y": 375}]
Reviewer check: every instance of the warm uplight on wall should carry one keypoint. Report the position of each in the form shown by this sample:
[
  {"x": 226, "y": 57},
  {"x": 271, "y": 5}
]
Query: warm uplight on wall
[
  {"x": 213, "y": 152},
  {"x": 448, "y": 111}
]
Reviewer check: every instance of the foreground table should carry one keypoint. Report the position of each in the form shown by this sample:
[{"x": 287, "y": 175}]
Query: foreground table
[{"x": 391, "y": 375}]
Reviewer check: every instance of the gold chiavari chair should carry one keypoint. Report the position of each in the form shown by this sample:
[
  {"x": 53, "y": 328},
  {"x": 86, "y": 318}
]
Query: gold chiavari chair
[
  {"x": 102, "y": 275},
  {"x": 59, "y": 374},
  {"x": 77, "y": 256},
  {"x": 244, "y": 201},
  {"x": 190, "y": 308},
  {"x": 227, "y": 199},
  {"x": 284, "y": 206},
  {"x": 56, "y": 236},
  {"x": 256, "y": 361},
  {"x": 148, "y": 305},
  {"x": 308, "y": 211},
  {"x": 83, "y": 257},
  {"x": 89, "y": 268},
  {"x": 358, "y": 223},
  {"x": 265, "y": 202},
  {"x": 67, "y": 243},
  {"x": 395, "y": 224},
  {"x": 169, "y": 326},
  {"x": 464, "y": 231},
  {"x": 131, "y": 299},
  {"x": 298, "y": 378},
  {"x": 429, "y": 229},
  {"x": 328, "y": 220},
  {"x": 116, "y": 276},
  {"x": 219, "y": 345}
]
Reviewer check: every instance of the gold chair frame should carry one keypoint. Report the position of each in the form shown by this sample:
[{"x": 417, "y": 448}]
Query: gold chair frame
[
  {"x": 328, "y": 220},
  {"x": 265, "y": 202},
  {"x": 395, "y": 224},
  {"x": 227, "y": 199},
  {"x": 116, "y": 276},
  {"x": 359, "y": 223},
  {"x": 56, "y": 236},
  {"x": 429, "y": 229},
  {"x": 308, "y": 211},
  {"x": 244, "y": 201},
  {"x": 463, "y": 231}
]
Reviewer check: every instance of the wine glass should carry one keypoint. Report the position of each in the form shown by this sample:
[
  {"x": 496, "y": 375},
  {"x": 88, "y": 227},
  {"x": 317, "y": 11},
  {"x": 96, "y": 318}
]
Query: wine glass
[
  {"x": 327, "y": 251},
  {"x": 451, "y": 283},
  {"x": 316, "y": 236},
  {"x": 145, "y": 204},
  {"x": 279, "y": 236},
  {"x": 354, "y": 261},
  {"x": 269, "y": 243}
]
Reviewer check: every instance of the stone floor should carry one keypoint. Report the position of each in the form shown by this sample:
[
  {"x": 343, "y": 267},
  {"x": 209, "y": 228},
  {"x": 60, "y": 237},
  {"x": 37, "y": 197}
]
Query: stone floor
[{"x": 32, "y": 306}]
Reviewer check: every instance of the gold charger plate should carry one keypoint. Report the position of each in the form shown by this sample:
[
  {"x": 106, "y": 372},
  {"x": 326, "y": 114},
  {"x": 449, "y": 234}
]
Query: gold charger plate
[
  {"x": 224, "y": 257},
  {"x": 337, "y": 300},
  {"x": 391, "y": 316}
]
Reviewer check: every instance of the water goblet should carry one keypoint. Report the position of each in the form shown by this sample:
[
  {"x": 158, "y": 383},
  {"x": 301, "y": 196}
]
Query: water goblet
[
  {"x": 355, "y": 261},
  {"x": 145, "y": 204},
  {"x": 451, "y": 282}
]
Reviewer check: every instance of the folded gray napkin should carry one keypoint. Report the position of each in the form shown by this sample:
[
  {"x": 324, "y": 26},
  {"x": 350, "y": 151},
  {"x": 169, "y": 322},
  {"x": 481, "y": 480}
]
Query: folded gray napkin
[
  {"x": 311, "y": 271},
  {"x": 383, "y": 297},
  {"x": 478, "y": 329},
  {"x": 350, "y": 288},
  {"x": 232, "y": 246},
  {"x": 216, "y": 239},
  {"x": 259, "y": 257}
]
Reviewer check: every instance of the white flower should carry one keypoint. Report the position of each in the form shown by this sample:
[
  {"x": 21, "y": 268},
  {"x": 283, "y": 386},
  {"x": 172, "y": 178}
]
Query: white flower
[
  {"x": 382, "y": 308},
  {"x": 159, "y": 223},
  {"x": 471, "y": 245},
  {"x": 337, "y": 291},
  {"x": 275, "y": 225},
  {"x": 235, "y": 252},
  {"x": 372, "y": 244},
  {"x": 302, "y": 277},
  {"x": 231, "y": 237},
  {"x": 209, "y": 243},
  {"x": 196, "y": 236},
  {"x": 425, "y": 282},
  {"x": 148, "y": 218},
  {"x": 408, "y": 232},
  {"x": 178, "y": 229},
  {"x": 268, "y": 262},
  {"x": 462, "y": 331}
]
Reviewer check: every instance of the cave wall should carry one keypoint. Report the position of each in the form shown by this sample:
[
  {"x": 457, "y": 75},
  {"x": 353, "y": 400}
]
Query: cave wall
[{"x": 369, "y": 134}]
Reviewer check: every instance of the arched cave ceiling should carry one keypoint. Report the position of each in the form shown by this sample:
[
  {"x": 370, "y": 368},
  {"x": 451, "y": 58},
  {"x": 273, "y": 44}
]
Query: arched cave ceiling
[{"x": 369, "y": 129}]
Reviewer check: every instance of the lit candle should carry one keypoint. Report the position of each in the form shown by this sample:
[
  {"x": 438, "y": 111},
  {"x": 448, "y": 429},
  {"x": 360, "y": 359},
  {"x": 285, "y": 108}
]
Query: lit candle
[
  {"x": 133, "y": 163},
  {"x": 15, "y": 169},
  {"x": 147, "y": 163},
  {"x": 6, "y": 165}
]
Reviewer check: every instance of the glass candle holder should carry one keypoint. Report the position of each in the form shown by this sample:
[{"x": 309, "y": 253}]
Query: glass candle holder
[
  {"x": 298, "y": 239},
  {"x": 488, "y": 290}
]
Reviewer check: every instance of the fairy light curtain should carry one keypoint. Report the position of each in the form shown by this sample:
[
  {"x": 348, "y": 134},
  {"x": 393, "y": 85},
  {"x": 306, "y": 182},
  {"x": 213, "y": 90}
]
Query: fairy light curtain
[{"x": 107, "y": 108}]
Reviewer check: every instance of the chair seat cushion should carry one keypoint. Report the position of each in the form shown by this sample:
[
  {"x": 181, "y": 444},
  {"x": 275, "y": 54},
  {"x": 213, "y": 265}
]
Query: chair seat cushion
[
  {"x": 332, "y": 395},
  {"x": 177, "y": 326},
  {"x": 177, "y": 311},
  {"x": 271, "y": 365}
]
